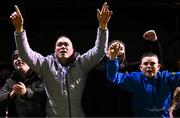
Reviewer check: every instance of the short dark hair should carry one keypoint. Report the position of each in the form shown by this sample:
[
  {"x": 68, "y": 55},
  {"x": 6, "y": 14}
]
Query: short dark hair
[
  {"x": 149, "y": 54},
  {"x": 16, "y": 52}
]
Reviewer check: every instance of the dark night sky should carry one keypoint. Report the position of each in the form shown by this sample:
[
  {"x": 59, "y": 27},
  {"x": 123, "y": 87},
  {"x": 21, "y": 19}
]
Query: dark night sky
[{"x": 45, "y": 20}]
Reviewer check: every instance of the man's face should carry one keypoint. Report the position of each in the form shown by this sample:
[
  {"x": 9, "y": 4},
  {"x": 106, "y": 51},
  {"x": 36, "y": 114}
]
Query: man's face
[
  {"x": 63, "y": 48},
  {"x": 149, "y": 66},
  {"x": 19, "y": 65}
]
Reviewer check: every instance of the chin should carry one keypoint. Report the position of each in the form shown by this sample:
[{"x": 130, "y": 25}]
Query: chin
[
  {"x": 62, "y": 58},
  {"x": 18, "y": 67},
  {"x": 150, "y": 76}
]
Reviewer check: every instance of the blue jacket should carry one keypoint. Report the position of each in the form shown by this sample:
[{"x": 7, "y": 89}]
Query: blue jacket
[{"x": 150, "y": 97}]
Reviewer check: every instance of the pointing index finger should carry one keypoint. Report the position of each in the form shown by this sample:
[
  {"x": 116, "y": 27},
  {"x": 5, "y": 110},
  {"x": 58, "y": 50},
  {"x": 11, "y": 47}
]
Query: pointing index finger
[{"x": 17, "y": 9}]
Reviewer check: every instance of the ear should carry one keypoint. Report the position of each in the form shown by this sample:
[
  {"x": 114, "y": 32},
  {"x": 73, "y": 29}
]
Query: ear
[
  {"x": 140, "y": 67},
  {"x": 55, "y": 50},
  {"x": 159, "y": 66}
]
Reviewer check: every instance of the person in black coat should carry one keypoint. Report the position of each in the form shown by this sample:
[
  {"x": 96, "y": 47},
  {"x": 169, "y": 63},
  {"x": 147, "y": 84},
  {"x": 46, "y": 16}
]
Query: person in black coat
[{"x": 23, "y": 94}]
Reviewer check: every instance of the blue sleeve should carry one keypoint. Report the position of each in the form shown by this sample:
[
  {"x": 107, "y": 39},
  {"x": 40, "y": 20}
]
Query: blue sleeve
[
  {"x": 112, "y": 69},
  {"x": 124, "y": 80},
  {"x": 174, "y": 79}
]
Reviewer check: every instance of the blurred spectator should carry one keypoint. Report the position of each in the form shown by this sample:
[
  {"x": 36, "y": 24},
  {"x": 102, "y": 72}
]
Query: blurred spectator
[
  {"x": 177, "y": 66},
  {"x": 23, "y": 93},
  {"x": 174, "y": 110}
]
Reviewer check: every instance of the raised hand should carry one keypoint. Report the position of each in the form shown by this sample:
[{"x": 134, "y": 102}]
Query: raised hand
[
  {"x": 104, "y": 16},
  {"x": 113, "y": 51},
  {"x": 17, "y": 20},
  {"x": 150, "y": 35}
]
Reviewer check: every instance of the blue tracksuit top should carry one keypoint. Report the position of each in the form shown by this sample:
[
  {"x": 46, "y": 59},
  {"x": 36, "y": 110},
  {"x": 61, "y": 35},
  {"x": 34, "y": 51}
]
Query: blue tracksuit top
[{"x": 150, "y": 97}]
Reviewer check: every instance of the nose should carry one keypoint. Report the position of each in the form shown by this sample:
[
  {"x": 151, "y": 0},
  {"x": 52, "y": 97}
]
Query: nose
[
  {"x": 63, "y": 46},
  {"x": 18, "y": 59}
]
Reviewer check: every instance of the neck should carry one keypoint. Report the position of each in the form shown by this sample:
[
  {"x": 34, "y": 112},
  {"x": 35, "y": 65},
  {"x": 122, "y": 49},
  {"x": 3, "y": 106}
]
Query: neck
[
  {"x": 63, "y": 61},
  {"x": 23, "y": 73}
]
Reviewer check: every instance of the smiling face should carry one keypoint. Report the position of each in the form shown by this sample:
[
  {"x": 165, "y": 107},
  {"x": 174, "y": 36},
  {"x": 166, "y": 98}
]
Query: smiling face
[
  {"x": 63, "y": 48},
  {"x": 19, "y": 64},
  {"x": 149, "y": 66}
]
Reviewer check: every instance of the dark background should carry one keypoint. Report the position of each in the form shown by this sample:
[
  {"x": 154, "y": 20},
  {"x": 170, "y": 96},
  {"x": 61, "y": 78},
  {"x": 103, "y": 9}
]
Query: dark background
[{"x": 46, "y": 20}]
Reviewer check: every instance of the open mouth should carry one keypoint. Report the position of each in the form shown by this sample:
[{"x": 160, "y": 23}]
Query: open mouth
[
  {"x": 63, "y": 51},
  {"x": 148, "y": 70}
]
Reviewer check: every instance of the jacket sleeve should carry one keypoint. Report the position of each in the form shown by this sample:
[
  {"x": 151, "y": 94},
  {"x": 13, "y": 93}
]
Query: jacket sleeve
[
  {"x": 36, "y": 94},
  {"x": 155, "y": 47},
  {"x": 5, "y": 91},
  {"x": 124, "y": 80},
  {"x": 93, "y": 56},
  {"x": 173, "y": 78},
  {"x": 33, "y": 59}
]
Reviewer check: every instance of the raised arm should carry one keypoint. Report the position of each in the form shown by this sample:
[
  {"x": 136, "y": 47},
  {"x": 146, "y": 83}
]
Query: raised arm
[
  {"x": 32, "y": 58},
  {"x": 95, "y": 54},
  {"x": 152, "y": 44},
  {"x": 17, "y": 20},
  {"x": 104, "y": 16}
]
